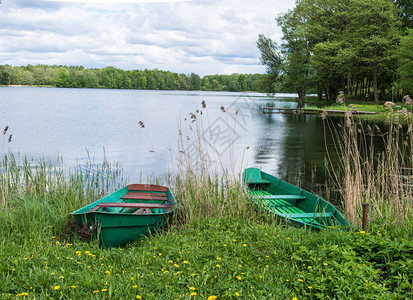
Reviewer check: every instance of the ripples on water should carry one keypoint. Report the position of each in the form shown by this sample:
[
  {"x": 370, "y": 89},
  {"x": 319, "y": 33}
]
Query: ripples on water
[{"x": 75, "y": 123}]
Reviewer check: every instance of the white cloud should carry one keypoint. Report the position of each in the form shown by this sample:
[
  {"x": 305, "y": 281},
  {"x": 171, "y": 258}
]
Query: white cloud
[{"x": 205, "y": 37}]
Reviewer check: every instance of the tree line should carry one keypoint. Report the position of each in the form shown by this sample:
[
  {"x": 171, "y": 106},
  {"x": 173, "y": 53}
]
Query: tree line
[
  {"x": 113, "y": 78},
  {"x": 360, "y": 47}
]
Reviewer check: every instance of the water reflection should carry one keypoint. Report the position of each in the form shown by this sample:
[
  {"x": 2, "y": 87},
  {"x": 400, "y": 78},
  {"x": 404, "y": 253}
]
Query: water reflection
[{"x": 75, "y": 123}]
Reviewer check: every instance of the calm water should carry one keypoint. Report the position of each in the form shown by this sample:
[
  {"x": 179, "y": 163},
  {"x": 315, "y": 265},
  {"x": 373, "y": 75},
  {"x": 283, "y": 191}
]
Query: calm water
[{"x": 50, "y": 122}]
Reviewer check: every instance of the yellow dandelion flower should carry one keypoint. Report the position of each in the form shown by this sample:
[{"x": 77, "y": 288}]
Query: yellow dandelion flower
[
  {"x": 218, "y": 266},
  {"x": 362, "y": 232},
  {"x": 159, "y": 254},
  {"x": 288, "y": 238},
  {"x": 245, "y": 245},
  {"x": 310, "y": 287},
  {"x": 225, "y": 245},
  {"x": 22, "y": 294},
  {"x": 218, "y": 258},
  {"x": 56, "y": 287},
  {"x": 96, "y": 291},
  {"x": 185, "y": 262},
  {"x": 193, "y": 274},
  {"x": 326, "y": 264},
  {"x": 138, "y": 297},
  {"x": 170, "y": 261},
  {"x": 294, "y": 298},
  {"x": 53, "y": 273},
  {"x": 192, "y": 288},
  {"x": 73, "y": 286},
  {"x": 310, "y": 267},
  {"x": 300, "y": 280},
  {"x": 236, "y": 294},
  {"x": 212, "y": 297},
  {"x": 165, "y": 272},
  {"x": 194, "y": 293},
  {"x": 87, "y": 252},
  {"x": 176, "y": 266},
  {"x": 107, "y": 272},
  {"x": 61, "y": 277},
  {"x": 104, "y": 290},
  {"x": 134, "y": 286},
  {"x": 287, "y": 280},
  {"x": 239, "y": 277}
]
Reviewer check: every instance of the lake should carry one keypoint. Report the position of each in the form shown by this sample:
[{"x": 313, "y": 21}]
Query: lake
[{"x": 77, "y": 123}]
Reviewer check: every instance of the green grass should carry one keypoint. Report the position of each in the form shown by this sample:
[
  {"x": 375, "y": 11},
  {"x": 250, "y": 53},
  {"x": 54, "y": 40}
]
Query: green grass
[
  {"x": 219, "y": 257},
  {"x": 211, "y": 252}
]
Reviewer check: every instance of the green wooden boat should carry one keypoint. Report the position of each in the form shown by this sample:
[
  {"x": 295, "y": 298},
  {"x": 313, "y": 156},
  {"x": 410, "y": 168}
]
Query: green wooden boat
[
  {"x": 128, "y": 213},
  {"x": 290, "y": 203}
]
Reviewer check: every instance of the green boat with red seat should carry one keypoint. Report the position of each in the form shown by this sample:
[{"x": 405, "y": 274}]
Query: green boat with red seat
[
  {"x": 291, "y": 203},
  {"x": 128, "y": 213}
]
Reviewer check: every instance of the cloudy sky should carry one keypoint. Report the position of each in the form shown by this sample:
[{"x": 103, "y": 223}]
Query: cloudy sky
[{"x": 201, "y": 36}]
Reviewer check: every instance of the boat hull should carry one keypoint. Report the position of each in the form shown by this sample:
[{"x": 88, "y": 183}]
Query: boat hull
[
  {"x": 290, "y": 203},
  {"x": 117, "y": 216}
]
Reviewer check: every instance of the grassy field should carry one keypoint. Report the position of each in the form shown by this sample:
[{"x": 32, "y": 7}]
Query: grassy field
[
  {"x": 217, "y": 246},
  {"x": 213, "y": 254}
]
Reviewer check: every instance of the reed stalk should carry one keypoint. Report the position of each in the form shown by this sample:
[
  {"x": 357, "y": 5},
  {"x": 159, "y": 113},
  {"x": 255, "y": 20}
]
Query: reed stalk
[
  {"x": 203, "y": 185},
  {"x": 383, "y": 178}
]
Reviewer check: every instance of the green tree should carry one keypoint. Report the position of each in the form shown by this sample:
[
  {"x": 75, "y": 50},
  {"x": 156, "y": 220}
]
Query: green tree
[
  {"x": 405, "y": 70},
  {"x": 5, "y": 77},
  {"x": 62, "y": 78}
]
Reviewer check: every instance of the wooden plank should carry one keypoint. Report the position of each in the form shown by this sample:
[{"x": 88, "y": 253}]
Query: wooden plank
[
  {"x": 144, "y": 196},
  {"x": 134, "y": 205},
  {"x": 306, "y": 215},
  {"x": 281, "y": 197},
  {"x": 95, "y": 208},
  {"x": 147, "y": 187}
]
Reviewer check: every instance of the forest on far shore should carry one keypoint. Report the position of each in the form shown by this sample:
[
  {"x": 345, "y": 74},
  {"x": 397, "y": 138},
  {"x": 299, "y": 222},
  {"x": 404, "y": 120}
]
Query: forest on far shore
[{"x": 113, "y": 78}]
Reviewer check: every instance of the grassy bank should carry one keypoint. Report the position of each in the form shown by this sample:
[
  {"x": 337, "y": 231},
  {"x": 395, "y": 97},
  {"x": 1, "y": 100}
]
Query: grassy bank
[
  {"x": 217, "y": 246},
  {"x": 214, "y": 251}
]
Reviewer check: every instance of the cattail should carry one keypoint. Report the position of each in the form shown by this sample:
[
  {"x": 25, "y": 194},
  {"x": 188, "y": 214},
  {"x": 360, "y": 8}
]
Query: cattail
[
  {"x": 340, "y": 99},
  {"x": 5, "y": 130},
  {"x": 222, "y": 108},
  {"x": 405, "y": 114},
  {"x": 324, "y": 115},
  {"x": 203, "y": 104},
  {"x": 141, "y": 124},
  {"x": 408, "y": 100},
  {"x": 10, "y": 138}
]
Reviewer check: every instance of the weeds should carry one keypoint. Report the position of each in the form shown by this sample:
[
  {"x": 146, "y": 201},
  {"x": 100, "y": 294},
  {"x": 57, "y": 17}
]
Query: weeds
[{"x": 382, "y": 178}]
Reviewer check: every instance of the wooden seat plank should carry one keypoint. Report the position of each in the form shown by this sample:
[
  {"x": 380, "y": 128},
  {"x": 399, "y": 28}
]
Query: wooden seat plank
[
  {"x": 134, "y": 205},
  {"x": 281, "y": 197},
  {"x": 147, "y": 187},
  {"x": 130, "y": 205},
  {"x": 307, "y": 215},
  {"x": 144, "y": 196}
]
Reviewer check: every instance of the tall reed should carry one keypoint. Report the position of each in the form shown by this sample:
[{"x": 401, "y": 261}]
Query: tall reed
[
  {"x": 382, "y": 178},
  {"x": 206, "y": 184},
  {"x": 35, "y": 194}
]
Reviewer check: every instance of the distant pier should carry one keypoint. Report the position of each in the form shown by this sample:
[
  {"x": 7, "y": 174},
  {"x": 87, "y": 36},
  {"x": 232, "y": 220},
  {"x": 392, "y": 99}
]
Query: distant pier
[{"x": 272, "y": 110}]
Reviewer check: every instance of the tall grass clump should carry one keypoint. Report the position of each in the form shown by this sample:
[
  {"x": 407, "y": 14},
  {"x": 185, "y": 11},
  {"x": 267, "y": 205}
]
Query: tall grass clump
[
  {"x": 381, "y": 177},
  {"x": 36, "y": 195},
  {"x": 207, "y": 183}
]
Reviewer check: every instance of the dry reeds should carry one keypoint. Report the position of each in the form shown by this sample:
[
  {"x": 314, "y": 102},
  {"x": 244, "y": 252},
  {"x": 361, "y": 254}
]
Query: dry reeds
[
  {"x": 381, "y": 177},
  {"x": 204, "y": 186}
]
